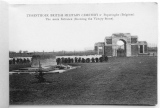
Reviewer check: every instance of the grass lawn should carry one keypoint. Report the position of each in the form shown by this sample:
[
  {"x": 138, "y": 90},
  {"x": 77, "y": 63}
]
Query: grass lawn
[{"x": 121, "y": 80}]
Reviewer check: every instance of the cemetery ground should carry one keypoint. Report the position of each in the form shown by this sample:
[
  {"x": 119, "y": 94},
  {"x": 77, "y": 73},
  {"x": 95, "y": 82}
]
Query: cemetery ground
[{"x": 123, "y": 80}]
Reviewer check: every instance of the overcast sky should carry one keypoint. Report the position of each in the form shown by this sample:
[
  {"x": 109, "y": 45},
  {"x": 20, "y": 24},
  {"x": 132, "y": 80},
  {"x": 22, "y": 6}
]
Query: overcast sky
[{"x": 38, "y": 34}]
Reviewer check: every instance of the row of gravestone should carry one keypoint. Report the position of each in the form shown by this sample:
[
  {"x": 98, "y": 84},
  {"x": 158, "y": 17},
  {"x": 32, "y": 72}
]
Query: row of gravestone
[
  {"x": 19, "y": 61},
  {"x": 81, "y": 60}
]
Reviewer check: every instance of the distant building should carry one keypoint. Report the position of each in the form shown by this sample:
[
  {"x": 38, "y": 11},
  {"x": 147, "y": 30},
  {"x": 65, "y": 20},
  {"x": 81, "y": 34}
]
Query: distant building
[
  {"x": 25, "y": 51},
  {"x": 132, "y": 47}
]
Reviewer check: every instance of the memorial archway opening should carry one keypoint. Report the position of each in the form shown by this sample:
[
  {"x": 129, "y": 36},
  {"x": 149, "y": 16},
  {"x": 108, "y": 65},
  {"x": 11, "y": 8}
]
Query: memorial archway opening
[{"x": 121, "y": 48}]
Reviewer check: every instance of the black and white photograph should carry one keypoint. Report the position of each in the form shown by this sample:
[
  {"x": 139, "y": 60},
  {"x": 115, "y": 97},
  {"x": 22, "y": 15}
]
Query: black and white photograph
[{"x": 83, "y": 54}]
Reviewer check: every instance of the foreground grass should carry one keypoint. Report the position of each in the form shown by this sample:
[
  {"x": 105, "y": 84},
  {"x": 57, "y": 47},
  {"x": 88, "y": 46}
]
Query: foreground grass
[{"x": 119, "y": 81}]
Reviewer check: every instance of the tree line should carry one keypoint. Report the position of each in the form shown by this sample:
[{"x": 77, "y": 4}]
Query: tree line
[{"x": 81, "y": 60}]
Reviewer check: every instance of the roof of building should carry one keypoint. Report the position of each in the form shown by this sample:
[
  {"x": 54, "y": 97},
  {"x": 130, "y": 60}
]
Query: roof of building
[
  {"x": 142, "y": 42},
  {"x": 99, "y": 44}
]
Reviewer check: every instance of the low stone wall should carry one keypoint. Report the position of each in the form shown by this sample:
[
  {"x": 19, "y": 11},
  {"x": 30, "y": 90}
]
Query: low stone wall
[{"x": 18, "y": 66}]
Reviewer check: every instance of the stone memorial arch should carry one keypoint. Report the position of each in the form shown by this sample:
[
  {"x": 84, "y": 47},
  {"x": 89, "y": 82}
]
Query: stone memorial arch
[{"x": 132, "y": 47}]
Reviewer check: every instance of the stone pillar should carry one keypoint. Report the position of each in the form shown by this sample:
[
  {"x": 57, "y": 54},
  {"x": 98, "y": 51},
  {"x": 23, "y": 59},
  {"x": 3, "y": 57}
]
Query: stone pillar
[
  {"x": 114, "y": 46},
  {"x": 128, "y": 47}
]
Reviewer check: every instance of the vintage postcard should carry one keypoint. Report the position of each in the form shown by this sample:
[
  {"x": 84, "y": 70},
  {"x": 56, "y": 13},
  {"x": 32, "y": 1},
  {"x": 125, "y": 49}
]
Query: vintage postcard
[{"x": 83, "y": 54}]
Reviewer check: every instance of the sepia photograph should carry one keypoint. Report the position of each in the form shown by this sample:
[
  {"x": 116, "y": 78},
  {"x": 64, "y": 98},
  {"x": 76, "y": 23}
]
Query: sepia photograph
[{"x": 83, "y": 54}]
